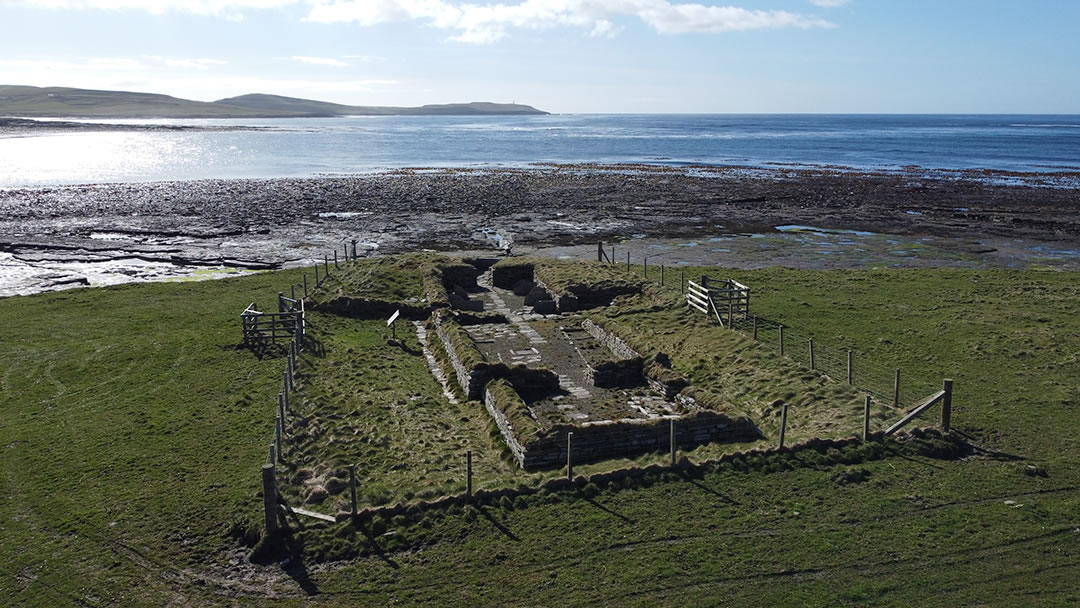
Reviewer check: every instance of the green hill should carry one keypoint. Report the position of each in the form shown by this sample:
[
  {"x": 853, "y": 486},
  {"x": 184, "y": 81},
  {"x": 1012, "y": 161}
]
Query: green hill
[
  {"x": 277, "y": 103},
  {"x": 89, "y": 103},
  {"x": 35, "y": 102}
]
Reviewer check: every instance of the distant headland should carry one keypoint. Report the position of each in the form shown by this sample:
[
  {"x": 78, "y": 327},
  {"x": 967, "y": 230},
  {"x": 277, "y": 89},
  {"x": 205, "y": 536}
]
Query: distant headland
[{"x": 57, "y": 102}]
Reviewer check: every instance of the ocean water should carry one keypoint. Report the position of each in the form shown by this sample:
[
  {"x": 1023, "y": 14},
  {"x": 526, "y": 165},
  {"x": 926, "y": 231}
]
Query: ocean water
[{"x": 348, "y": 145}]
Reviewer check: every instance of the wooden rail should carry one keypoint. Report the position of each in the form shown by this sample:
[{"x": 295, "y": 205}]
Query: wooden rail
[
  {"x": 944, "y": 396},
  {"x": 711, "y": 297},
  {"x": 259, "y": 327}
]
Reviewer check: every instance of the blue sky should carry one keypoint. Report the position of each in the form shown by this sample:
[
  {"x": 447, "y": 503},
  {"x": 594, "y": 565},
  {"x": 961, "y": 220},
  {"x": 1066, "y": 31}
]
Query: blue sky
[{"x": 910, "y": 56}]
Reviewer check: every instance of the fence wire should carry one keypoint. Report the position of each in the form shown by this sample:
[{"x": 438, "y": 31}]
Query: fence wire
[{"x": 868, "y": 375}]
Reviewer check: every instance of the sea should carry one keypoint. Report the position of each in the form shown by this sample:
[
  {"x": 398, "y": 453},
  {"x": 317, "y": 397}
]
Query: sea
[{"x": 306, "y": 147}]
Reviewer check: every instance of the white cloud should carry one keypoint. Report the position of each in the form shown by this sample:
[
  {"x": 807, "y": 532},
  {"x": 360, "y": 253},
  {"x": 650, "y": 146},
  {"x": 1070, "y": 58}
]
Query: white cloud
[
  {"x": 194, "y": 64},
  {"x": 484, "y": 23},
  {"x": 228, "y": 9},
  {"x": 327, "y": 61},
  {"x": 488, "y": 22},
  {"x": 604, "y": 29},
  {"x": 149, "y": 74}
]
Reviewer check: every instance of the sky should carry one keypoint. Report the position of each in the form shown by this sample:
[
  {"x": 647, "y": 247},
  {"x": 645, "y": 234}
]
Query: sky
[{"x": 565, "y": 56}]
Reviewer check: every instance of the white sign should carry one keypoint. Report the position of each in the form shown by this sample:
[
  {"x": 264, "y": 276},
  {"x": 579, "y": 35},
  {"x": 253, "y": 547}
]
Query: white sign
[{"x": 393, "y": 317}]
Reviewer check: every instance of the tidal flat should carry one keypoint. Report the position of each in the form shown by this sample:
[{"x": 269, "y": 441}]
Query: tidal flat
[{"x": 97, "y": 234}]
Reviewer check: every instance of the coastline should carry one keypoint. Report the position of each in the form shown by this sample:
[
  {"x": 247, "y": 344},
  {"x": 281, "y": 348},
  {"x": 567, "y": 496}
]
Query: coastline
[
  {"x": 174, "y": 229},
  {"x": 29, "y": 127}
]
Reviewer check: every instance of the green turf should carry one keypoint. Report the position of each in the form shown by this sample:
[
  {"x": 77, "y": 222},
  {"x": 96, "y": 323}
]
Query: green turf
[{"x": 133, "y": 430}]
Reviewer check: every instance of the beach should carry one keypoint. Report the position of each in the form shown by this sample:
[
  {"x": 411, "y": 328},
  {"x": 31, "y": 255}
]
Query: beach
[{"x": 61, "y": 236}]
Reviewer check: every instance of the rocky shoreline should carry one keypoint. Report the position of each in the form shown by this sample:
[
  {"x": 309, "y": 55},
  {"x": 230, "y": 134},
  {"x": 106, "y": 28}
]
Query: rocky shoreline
[{"x": 273, "y": 223}]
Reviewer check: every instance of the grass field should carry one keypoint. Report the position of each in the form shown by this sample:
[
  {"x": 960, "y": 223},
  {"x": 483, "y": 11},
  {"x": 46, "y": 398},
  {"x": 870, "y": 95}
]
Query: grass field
[{"x": 133, "y": 429}]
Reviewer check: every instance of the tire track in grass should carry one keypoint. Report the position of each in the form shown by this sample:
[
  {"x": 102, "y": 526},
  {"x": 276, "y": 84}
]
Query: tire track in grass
[
  {"x": 582, "y": 559},
  {"x": 866, "y": 570}
]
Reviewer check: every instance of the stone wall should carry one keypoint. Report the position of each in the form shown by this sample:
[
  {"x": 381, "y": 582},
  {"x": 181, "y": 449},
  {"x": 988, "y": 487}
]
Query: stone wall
[
  {"x": 472, "y": 381},
  {"x": 617, "y": 439},
  {"x": 617, "y": 345},
  {"x": 624, "y": 373},
  {"x": 506, "y": 274},
  {"x": 366, "y": 308},
  {"x": 505, "y": 428},
  {"x": 459, "y": 274},
  {"x": 669, "y": 386}
]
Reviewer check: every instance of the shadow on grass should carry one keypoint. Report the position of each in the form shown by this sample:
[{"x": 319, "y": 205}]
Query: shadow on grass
[
  {"x": 288, "y": 552},
  {"x": 985, "y": 452},
  {"x": 692, "y": 476},
  {"x": 376, "y": 549},
  {"x": 299, "y": 573},
  {"x": 607, "y": 510},
  {"x": 497, "y": 524}
]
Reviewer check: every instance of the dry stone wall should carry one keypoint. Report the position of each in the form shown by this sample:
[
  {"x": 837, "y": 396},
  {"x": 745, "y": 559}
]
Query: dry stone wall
[
  {"x": 472, "y": 381},
  {"x": 617, "y": 345},
  {"x": 616, "y": 439},
  {"x": 366, "y": 308}
]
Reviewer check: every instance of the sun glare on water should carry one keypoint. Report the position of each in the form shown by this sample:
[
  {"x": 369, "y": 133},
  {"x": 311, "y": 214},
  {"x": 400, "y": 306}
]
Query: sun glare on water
[{"x": 90, "y": 158}]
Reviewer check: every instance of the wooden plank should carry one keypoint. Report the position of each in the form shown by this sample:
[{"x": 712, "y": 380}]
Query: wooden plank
[
  {"x": 922, "y": 407},
  {"x": 700, "y": 300},
  {"x": 696, "y": 306},
  {"x": 716, "y": 312},
  {"x": 305, "y": 512},
  {"x": 701, "y": 297}
]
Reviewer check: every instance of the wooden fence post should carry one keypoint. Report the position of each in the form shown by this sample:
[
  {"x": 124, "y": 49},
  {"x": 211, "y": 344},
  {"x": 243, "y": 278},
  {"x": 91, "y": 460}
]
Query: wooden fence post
[
  {"x": 783, "y": 424},
  {"x": 811, "y": 353},
  {"x": 645, "y": 266},
  {"x": 850, "y": 360},
  {"x": 292, "y": 291},
  {"x": 336, "y": 267},
  {"x": 288, "y": 384},
  {"x": 273, "y": 454},
  {"x": 600, "y": 251},
  {"x": 755, "y": 328},
  {"x": 352, "y": 486},
  {"x": 672, "y": 440},
  {"x": 781, "y": 339},
  {"x": 896, "y": 389},
  {"x": 570, "y": 455},
  {"x": 468, "y": 466},
  {"x": 946, "y": 406},
  {"x": 317, "y": 281},
  {"x": 270, "y": 498},
  {"x": 281, "y": 404},
  {"x": 627, "y": 260},
  {"x": 866, "y": 420},
  {"x": 730, "y": 313},
  {"x": 277, "y": 435},
  {"x": 326, "y": 266},
  {"x": 661, "y": 275},
  {"x": 305, "y": 284},
  {"x": 612, "y": 255}
]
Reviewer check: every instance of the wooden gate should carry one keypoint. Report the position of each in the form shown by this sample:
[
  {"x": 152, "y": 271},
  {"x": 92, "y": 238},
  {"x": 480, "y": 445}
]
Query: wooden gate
[{"x": 725, "y": 300}]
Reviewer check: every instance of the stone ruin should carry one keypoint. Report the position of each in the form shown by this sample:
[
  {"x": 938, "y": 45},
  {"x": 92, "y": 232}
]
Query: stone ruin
[{"x": 542, "y": 373}]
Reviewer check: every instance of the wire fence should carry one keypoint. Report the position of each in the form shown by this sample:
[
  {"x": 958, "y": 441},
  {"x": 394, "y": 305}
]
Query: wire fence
[{"x": 884, "y": 383}]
